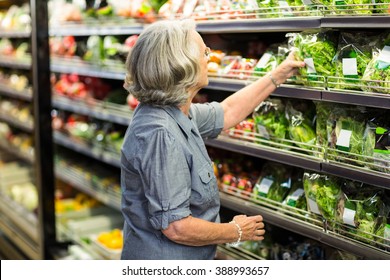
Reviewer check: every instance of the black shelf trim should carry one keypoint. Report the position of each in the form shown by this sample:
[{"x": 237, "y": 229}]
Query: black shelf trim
[
  {"x": 268, "y": 153},
  {"x": 300, "y": 227}
]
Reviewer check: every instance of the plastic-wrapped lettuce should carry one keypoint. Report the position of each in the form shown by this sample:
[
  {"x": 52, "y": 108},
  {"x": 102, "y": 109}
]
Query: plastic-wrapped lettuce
[
  {"x": 345, "y": 130},
  {"x": 296, "y": 197},
  {"x": 361, "y": 207},
  {"x": 267, "y": 62},
  {"x": 274, "y": 182},
  {"x": 300, "y": 127},
  {"x": 270, "y": 120},
  {"x": 376, "y": 143},
  {"x": 322, "y": 112},
  {"x": 322, "y": 194},
  {"x": 351, "y": 59},
  {"x": 317, "y": 50},
  {"x": 377, "y": 74}
]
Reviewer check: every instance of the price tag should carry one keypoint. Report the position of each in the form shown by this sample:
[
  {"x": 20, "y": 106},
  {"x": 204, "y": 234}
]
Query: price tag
[
  {"x": 310, "y": 65},
  {"x": 344, "y": 139},
  {"x": 349, "y": 216},
  {"x": 265, "y": 185},
  {"x": 263, "y": 60},
  {"x": 263, "y": 131},
  {"x": 313, "y": 206},
  {"x": 349, "y": 67},
  {"x": 385, "y": 55}
]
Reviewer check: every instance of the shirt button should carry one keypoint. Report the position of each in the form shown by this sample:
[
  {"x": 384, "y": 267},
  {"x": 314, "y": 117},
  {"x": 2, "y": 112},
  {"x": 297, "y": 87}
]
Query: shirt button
[{"x": 209, "y": 174}]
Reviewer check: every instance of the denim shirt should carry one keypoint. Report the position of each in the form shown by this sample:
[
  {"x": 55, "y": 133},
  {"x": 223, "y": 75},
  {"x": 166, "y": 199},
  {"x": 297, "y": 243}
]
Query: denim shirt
[{"x": 167, "y": 175}]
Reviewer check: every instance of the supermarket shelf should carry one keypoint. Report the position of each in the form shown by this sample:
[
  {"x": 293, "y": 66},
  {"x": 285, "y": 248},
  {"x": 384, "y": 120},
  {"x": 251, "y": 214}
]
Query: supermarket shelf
[
  {"x": 8, "y": 251},
  {"x": 11, "y": 149},
  {"x": 15, "y": 63},
  {"x": 86, "y": 69},
  {"x": 84, "y": 148},
  {"x": 355, "y": 98},
  {"x": 100, "y": 112},
  {"x": 356, "y": 173},
  {"x": 259, "y": 25},
  {"x": 301, "y": 227},
  {"x": 26, "y": 126},
  {"x": 15, "y": 33},
  {"x": 97, "y": 28},
  {"x": 25, "y": 95},
  {"x": 273, "y": 154},
  {"x": 20, "y": 226},
  {"x": 355, "y": 22},
  {"x": 233, "y": 85},
  {"x": 78, "y": 182}
]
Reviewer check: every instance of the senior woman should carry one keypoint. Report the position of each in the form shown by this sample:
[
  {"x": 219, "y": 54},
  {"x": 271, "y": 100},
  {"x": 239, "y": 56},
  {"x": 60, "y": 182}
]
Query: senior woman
[{"x": 170, "y": 199}]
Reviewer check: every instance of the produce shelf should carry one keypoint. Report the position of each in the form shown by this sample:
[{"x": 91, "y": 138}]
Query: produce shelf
[
  {"x": 95, "y": 27},
  {"x": 357, "y": 98},
  {"x": 15, "y": 33},
  {"x": 266, "y": 152},
  {"x": 13, "y": 150},
  {"x": 77, "y": 180},
  {"x": 316, "y": 232},
  {"x": 356, "y": 173},
  {"x": 233, "y": 85},
  {"x": 26, "y": 126},
  {"x": 76, "y": 65},
  {"x": 357, "y": 21},
  {"x": 120, "y": 114},
  {"x": 86, "y": 149},
  {"x": 15, "y": 63},
  {"x": 25, "y": 95},
  {"x": 282, "y": 24}
]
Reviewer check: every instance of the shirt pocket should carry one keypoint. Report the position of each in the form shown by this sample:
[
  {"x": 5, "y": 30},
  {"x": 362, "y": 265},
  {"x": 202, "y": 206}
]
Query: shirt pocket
[{"x": 208, "y": 181}]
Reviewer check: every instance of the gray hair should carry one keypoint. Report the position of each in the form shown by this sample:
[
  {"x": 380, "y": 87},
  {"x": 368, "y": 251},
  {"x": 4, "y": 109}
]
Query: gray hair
[{"x": 164, "y": 63}]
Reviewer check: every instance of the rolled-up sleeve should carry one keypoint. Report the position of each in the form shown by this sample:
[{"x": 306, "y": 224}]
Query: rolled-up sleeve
[
  {"x": 208, "y": 118},
  {"x": 166, "y": 178}
]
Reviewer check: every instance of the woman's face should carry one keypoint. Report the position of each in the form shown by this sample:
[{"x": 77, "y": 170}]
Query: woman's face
[{"x": 203, "y": 60}]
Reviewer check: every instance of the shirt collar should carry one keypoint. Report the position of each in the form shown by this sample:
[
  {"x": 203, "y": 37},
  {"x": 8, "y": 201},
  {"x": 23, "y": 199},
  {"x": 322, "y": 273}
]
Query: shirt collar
[{"x": 181, "y": 119}]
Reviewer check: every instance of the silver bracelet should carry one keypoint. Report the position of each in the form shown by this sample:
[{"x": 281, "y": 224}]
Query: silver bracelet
[
  {"x": 239, "y": 230},
  {"x": 273, "y": 80}
]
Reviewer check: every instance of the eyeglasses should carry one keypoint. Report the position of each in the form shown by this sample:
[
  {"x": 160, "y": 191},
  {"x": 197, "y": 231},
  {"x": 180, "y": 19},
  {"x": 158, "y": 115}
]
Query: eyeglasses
[{"x": 207, "y": 52}]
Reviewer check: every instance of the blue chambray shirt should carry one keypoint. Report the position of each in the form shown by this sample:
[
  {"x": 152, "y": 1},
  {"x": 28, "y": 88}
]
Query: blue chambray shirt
[{"x": 167, "y": 175}]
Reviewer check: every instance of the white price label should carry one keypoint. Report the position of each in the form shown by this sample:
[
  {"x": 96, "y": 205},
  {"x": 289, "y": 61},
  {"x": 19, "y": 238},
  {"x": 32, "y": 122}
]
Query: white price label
[
  {"x": 295, "y": 195},
  {"x": 265, "y": 185},
  {"x": 344, "y": 138},
  {"x": 349, "y": 217},
  {"x": 385, "y": 55},
  {"x": 313, "y": 206},
  {"x": 310, "y": 65},
  {"x": 349, "y": 66},
  {"x": 263, "y": 60},
  {"x": 263, "y": 131}
]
